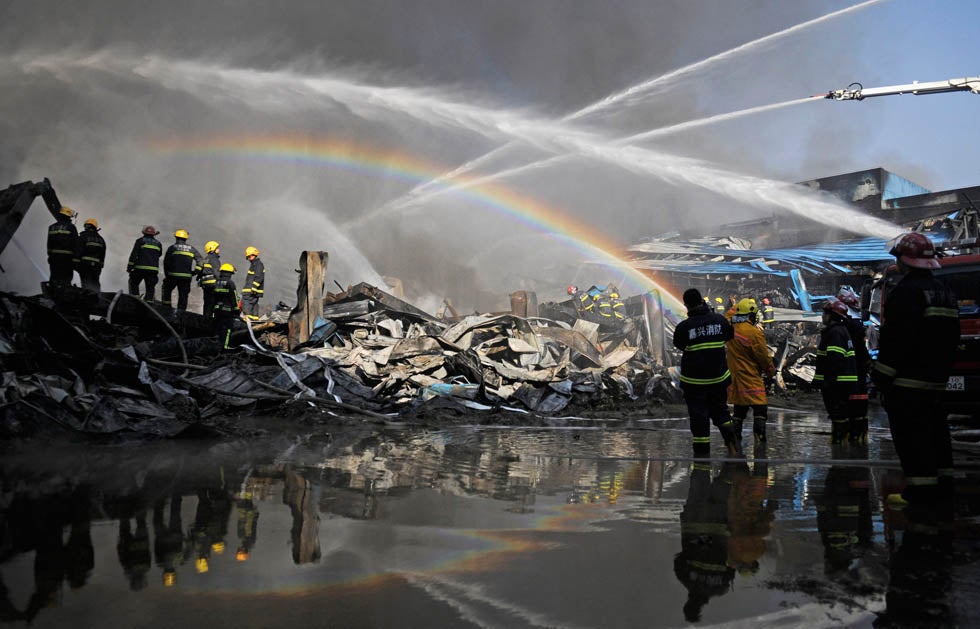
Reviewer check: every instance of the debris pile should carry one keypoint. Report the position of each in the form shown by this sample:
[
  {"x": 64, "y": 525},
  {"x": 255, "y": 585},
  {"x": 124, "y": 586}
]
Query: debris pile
[{"x": 115, "y": 365}]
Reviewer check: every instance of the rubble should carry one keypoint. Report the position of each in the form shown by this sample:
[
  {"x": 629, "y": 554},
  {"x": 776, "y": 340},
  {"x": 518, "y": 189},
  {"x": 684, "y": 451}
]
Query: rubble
[{"x": 113, "y": 366}]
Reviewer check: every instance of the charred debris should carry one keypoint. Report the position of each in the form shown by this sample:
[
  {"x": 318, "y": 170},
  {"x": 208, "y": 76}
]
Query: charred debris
[{"x": 114, "y": 365}]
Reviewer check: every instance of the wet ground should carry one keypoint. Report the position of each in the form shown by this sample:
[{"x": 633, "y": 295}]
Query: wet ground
[{"x": 584, "y": 526}]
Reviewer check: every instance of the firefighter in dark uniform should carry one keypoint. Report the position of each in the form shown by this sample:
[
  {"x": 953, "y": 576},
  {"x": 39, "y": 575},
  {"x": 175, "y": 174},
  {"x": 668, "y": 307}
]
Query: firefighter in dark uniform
[
  {"x": 181, "y": 263},
  {"x": 704, "y": 373},
  {"x": 768, "y": 314},
  {"x": 91, "y": 256},
  {"x": 857, "y": 423},
  {"x": 702, "y": 565},
  {"x": 62, "y": 248},
  {"x": 254, "y": 286},
  {"x": 836, "y": 369},
  {"x": 144, "y": 263},
  {"x": 209, "y": 276},
  {"x": 225, "y": 303},
  {"x": 916, "y": 346}
]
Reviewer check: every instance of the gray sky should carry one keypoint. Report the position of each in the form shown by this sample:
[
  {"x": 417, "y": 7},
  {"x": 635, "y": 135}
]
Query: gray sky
[{"x": 284, "y": 125}]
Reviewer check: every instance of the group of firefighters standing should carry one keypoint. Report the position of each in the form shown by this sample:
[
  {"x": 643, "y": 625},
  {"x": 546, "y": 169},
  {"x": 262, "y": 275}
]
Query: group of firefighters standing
[
  {"x": 725, "y": 360},
  {"x": 69, "y": 251}
]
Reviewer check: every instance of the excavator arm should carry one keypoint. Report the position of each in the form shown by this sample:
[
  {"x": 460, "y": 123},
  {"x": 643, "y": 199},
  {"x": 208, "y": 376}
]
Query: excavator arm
[
  {"x": 856, "y": 91},
  {"x": 17, "y": 199}
]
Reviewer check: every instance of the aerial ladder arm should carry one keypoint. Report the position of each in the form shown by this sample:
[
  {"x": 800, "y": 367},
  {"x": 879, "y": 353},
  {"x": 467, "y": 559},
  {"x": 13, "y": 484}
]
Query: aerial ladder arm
[
  {"x": 856, "y": 91},
  {"x": 17, "y": 199}
]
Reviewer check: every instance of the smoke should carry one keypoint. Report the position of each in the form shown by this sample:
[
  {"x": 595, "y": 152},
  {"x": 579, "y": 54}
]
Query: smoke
[{"x": 92, "y": 87}]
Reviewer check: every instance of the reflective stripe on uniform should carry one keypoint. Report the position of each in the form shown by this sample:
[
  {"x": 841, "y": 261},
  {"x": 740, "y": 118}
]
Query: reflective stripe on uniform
[
  {"x": 709, "y": 345},
  {"x": 717, "y": 380}
]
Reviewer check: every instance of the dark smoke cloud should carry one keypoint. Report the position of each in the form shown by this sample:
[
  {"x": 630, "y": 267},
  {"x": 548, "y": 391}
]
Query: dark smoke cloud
[{"x": 87, "y": 129}]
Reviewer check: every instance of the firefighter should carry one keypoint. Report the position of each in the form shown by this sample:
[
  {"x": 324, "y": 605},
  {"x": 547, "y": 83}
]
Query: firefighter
[
  {"x": 616, "y": 303},
  {"x": 768, "y": 314},
  {"x": 836, "y": 369},
  {"x": 919, "y": 335},
  {"x": 144, "y": 263},
  {"x": 254, "y": 286},
  {"x": 209, "y": 276},
  {"x": 91, "y": 255},
  {"x": 225, "y": 303},
  {"x": 704, "y": 373},
  {"x": 62, "y": 248},
  {"x": 857, "y": 422},
  {"x": 720, "y": 305},
  {"x": 750, "y": 515},
  {"x": 749, "y": 363},
  {"x": 181, "y": 263}
]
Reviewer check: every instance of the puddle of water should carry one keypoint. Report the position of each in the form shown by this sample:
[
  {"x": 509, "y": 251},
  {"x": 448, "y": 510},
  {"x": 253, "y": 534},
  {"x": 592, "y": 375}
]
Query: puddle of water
[{"x": 464, "y": 527}]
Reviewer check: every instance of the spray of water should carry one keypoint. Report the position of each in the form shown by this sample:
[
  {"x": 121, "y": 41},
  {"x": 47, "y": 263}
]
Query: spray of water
[
  {"x": 657, "y": 84},
  {"x": 286, "y": 89}
]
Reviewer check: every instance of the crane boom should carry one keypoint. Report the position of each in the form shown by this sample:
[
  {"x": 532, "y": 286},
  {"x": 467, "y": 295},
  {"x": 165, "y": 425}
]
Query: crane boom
[{"x": 856, "y": 91}]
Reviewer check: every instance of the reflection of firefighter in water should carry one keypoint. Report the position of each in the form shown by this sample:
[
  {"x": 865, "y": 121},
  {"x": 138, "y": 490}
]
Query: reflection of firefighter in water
[
  {"x": 54, "y": 559},
  {"x": 133, "y": 549},
  {"x": 844, "y": 516},
  {"x": 750, "y": 515},
  {"x": 210, "y": 526},
  {"x": 248, "y": 519},
  {"x": 702, "y": 565},
  {"x": 168, "y": 538},
  {"x": 919, "y": 588}
]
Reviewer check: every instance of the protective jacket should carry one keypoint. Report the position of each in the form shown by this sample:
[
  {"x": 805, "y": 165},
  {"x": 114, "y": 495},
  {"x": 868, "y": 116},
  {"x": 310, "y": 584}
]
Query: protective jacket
[
  {"x": 91, "y": 249},
  {"x": 702, "y": 338},
  {"x": 255, "y": 278},
  {"x": 919, "y": 334},
  {"x": 145, "y": 255},
  {"x": 748, "y": 361},
  {"x": 181, "y": 261},
  {"x": 862, "y": 358},
  {"x": 836, "y": 366},
  {"x": 62, "y": 240},
  {"x": 768, "y": 314},
  {"x": 226, "y": 295},
  {"x": 209, "y": 270}
]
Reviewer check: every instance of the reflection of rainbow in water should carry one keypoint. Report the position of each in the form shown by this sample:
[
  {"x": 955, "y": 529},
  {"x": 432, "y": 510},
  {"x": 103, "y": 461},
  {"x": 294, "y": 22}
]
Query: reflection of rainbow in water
[{"x": 365, "y": 159}]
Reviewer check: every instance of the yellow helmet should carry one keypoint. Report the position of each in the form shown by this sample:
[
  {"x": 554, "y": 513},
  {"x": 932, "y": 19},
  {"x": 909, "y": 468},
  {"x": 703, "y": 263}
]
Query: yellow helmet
[
  {"x": 241, "y": 554},
  {"x": 211, "y": 246},
  {"x": 745, "y": 306},
  {"x": 91, "y": 221},
  {"x": 251, "y": 251},
  {"x": 201, "y": 565},
  {"x": 169, "y": 578},
  {"x": 181, "y": 233},
  {"x": 227, "y": 267},
  {"x": 718, "y": 300},
  {"x": 67, "y": 211},
  {"x": 218, "y": 547}
]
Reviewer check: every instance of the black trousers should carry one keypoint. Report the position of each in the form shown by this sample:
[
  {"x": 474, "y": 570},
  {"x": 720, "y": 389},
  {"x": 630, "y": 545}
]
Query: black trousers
[
  {"x": 62, "y": 270},
  {"x": 921, "y": 436},
  {"x": 90, "y": 277},
  {"x": 707, "y": 403},
  {"x": 222, "y": 325},
  {"x": 138, "y": 276},
  {"x": 208, "y": 310},
  {"x": 183, "y": 286},
  {"x": 250, "y": 305}
]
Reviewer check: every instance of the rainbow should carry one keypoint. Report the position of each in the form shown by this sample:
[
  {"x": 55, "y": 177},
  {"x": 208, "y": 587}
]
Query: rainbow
[{"x": 362, "y": 158}]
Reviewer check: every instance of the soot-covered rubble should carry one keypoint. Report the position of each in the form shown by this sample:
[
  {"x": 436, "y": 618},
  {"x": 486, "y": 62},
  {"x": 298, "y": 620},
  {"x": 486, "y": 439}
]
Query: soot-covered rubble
[{"x": 112, "y": 365}]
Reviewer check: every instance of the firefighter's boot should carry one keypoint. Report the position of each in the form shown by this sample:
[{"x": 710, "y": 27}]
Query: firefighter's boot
[
  {"x": 759, "y": 429},
  {"x": 737, "y": 427},
  {"x": 838, "y": 431},
  {"x": 858, "y": 431},
  {"x": 733, "y": 444}
]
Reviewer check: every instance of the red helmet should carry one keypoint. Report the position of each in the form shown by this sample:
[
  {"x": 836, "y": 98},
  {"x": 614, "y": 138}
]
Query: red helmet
[
  {"x": 915, "y": 249},
  {"x": 572, "y": 289},
  {"x": 849, "y": 297},
  {"x": 836, "y": 307}
]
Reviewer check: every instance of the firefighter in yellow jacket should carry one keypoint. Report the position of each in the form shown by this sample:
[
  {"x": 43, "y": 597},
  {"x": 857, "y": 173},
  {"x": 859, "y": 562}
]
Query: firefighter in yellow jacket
[{"x": 748, "y": 362}]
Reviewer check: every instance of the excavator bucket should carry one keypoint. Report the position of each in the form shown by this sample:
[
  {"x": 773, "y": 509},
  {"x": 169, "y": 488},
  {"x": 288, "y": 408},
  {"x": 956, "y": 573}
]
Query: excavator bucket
[{"x": 17, "y": 199}]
